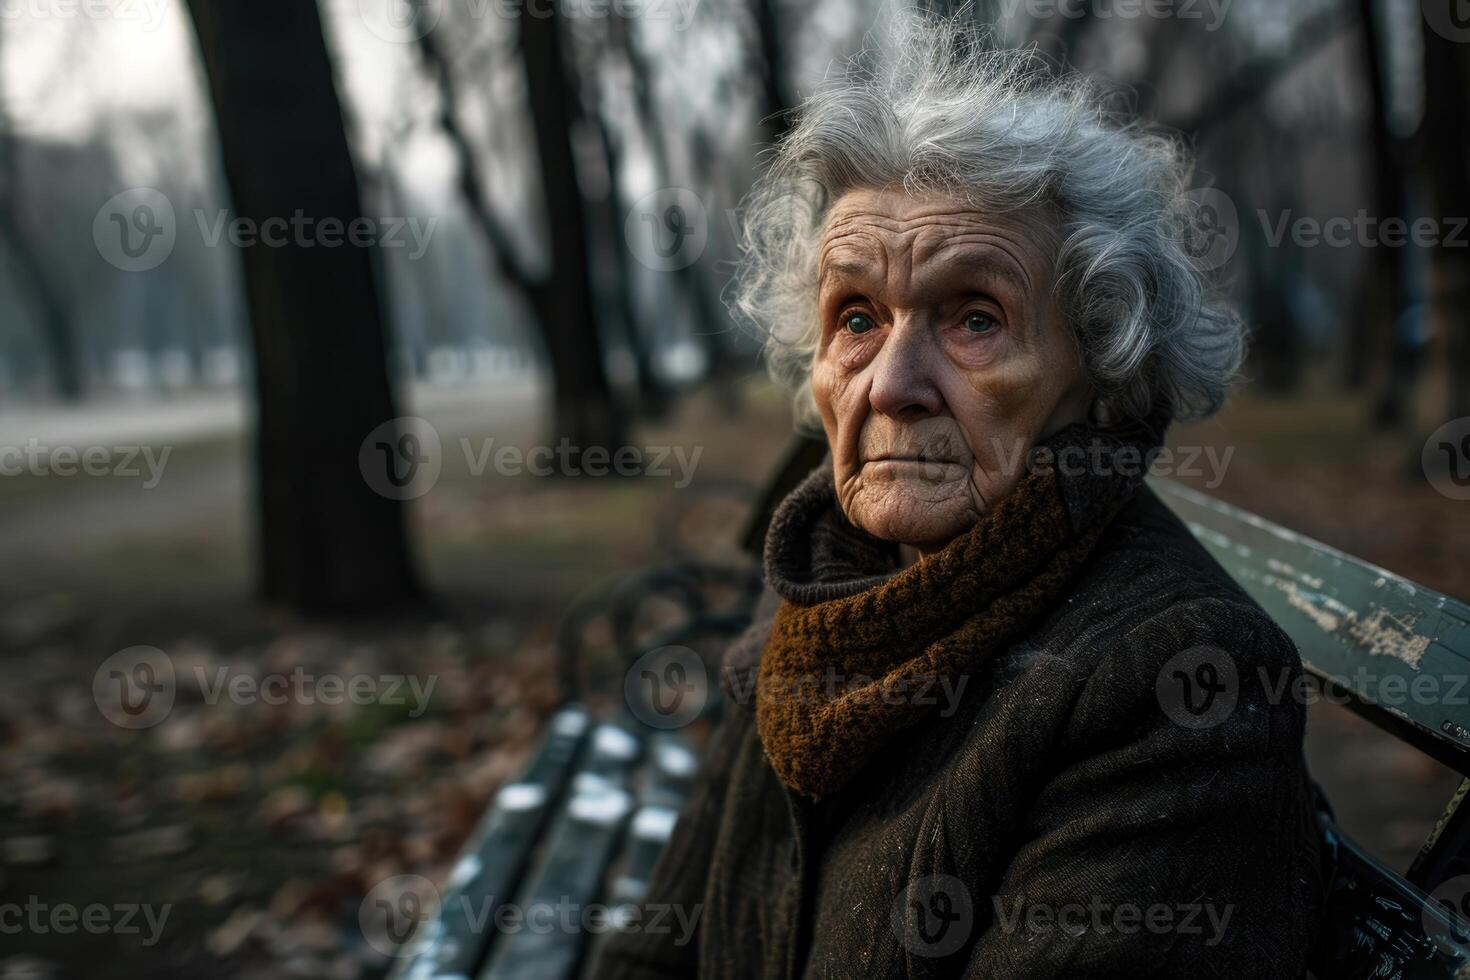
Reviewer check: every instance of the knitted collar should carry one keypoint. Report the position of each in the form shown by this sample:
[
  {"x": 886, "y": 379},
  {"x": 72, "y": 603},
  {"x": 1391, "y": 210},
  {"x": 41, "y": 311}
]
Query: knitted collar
[{"x": 858, "y": 645}]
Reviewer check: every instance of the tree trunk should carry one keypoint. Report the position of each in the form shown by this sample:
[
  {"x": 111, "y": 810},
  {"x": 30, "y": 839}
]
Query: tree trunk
[
  {"x": 1377, "y": 291},
  {"x": 653, "y": 402},
  {"x": 711, "y": 324},
  {"x": 775, "y": 91},
  {"x": 586, "y": 412},
  {"x": 56, "y": 329},
  {"x": 1384, "y": 295},
  {"x": 327, "y": 540},
  {"x": 51, "y": 318},
  {"x": 1446, "y": 146}
]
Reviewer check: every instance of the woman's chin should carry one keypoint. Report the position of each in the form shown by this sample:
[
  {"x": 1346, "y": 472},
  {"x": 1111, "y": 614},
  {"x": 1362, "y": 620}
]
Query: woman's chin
[{"x": 924, "y": 524}]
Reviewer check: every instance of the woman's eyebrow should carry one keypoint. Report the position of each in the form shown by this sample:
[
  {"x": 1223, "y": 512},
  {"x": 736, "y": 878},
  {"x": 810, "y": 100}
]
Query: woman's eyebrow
[
  {"x": 849, "y": 267},
  {"x": 986, "y": 260}
]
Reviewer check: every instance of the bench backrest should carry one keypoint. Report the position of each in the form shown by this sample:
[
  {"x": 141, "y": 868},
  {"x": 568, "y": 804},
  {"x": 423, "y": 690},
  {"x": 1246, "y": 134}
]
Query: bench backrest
[{"x": 1393, "y": 651}]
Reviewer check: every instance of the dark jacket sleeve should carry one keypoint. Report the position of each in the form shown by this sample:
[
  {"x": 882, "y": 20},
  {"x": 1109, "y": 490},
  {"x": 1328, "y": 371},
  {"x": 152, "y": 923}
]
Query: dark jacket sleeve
[
  {"x": 1177, "y": 836},
  {"x": 679, "y": 875}
]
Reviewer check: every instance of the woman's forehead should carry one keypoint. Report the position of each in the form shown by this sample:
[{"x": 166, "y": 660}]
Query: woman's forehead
[{"x": 873, "y": 234}]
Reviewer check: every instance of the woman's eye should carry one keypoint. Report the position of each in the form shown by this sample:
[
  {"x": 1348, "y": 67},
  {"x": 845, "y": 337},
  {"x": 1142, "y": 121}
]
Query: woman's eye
[
  {"x": 978, "y": 322},
  {"x": 859, "y": 323}
]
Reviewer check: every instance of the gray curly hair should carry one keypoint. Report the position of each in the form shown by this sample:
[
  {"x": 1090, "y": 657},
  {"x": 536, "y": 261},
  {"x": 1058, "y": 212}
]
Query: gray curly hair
[{"x": 937, "y": 110}]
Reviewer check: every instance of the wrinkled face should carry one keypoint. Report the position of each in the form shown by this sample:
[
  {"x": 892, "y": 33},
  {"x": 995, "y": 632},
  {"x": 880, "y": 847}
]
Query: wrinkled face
[{"x": 943, "y": 359}]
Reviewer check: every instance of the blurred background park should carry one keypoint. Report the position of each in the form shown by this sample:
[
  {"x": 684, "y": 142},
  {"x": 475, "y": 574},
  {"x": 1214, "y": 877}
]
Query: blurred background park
[{"x": 237, "y": 240}]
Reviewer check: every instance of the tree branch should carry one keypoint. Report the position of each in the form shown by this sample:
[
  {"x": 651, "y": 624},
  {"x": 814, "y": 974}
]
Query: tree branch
[{"x": 470, "y": 185}]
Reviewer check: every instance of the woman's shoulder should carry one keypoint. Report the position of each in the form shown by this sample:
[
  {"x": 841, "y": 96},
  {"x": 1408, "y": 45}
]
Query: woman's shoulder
[
  {"x": 1150, "y": 581},
  {"x": 1154, "y": 623}
]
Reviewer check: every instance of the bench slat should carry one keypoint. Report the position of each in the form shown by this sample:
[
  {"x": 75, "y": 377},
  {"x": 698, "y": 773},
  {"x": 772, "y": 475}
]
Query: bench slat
[
  {"x": 661, "y": 796},
  {"x": 1391, "y": 643},
  {"x": 453, "y": 940},
  {"x": 548, "y": 942}
]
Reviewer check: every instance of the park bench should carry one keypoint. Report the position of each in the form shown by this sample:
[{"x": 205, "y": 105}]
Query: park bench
[
  {"x": 1357, "y": 627},
  {"x": 587, "y": 819},
  {"x": 582, "y": 826}
]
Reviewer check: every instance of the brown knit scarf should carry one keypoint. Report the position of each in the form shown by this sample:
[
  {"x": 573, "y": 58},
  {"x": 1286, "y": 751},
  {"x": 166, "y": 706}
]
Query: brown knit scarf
[{"x": 842, "y": 675}]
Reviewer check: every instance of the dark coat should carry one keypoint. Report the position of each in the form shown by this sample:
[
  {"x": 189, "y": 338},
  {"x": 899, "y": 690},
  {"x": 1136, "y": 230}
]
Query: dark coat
[{"x": 1070, "y": 819}]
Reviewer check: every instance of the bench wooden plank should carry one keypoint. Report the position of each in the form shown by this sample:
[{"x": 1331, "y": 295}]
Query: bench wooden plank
[
  {"x": 1394, "y": 644},
  {"x": 453, "y": 940},
  {"x": 672, "y": 766},
  {"x": 548, "y": 943}
]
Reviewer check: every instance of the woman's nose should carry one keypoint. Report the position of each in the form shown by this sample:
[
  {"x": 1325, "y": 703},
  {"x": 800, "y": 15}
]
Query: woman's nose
[{"x": 904, "y": 384}]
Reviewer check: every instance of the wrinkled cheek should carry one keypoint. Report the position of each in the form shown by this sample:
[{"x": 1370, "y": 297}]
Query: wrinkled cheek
[
  {"x": 1009, "y": 396},
  {"x": 821, "y": 383},
  {"x": 833, "y": 392},
  {"x": 1006, "y": 412},
  {"x": 841, "y": 400}
]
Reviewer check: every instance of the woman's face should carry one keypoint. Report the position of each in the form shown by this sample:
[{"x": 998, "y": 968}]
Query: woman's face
[{"x": 943, "y": 359}]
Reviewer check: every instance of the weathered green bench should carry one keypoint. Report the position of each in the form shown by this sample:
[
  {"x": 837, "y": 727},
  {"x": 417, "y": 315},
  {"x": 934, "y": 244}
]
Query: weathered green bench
[
  {"x": 578, "y": 832},
  {"x": 1357, "y": 627},
  {"x": 586, "y": 821}
]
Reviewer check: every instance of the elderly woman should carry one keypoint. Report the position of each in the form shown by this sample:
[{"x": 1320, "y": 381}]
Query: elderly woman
[{"x": 999, "y": 716}]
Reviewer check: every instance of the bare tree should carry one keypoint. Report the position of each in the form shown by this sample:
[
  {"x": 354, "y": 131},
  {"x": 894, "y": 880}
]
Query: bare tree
[
  {"x": 712, "y": 325},
  {"x": 586, "y": 411},
  {"x": 327, "y": 540},
  {"x": 777, "y": 94},
  {"x": 58, "y": 335},
  {"x": 1445, "y": 140},
  {"x": 1384, "y": 293}
]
